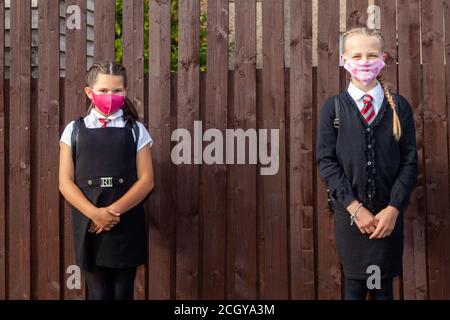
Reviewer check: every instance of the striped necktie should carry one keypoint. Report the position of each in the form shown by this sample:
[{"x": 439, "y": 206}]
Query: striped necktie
[
  {"x": 104, "y": 122},
  {"x": 368, "y": 111}
]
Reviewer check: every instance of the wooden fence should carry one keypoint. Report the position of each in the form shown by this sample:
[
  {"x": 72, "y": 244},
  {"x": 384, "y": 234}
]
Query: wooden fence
[{"x": 219, "y": 231}]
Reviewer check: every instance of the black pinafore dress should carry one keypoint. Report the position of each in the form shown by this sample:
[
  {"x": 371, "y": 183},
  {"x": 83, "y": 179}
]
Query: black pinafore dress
[{"x": 105, "y": 169}]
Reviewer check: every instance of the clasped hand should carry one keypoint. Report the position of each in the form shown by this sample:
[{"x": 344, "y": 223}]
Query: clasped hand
[
  {"x": 378, "y": 226},
  {"x": 104, "y": 219}
]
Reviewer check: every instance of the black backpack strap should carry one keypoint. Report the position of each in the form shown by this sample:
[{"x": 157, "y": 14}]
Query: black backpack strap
[
  {"x": 135, "y": 128},
  {"x": 74, "y": 137},
  {"x": 337, "y": 111},
  {"x": 336, "y": 123}
]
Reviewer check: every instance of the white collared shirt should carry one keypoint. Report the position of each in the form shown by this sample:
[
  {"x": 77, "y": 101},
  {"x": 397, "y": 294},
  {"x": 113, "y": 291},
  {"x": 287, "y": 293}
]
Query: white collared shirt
[
  {"x": 377, "y": 93},
  {"x": 116, "y": 120}
]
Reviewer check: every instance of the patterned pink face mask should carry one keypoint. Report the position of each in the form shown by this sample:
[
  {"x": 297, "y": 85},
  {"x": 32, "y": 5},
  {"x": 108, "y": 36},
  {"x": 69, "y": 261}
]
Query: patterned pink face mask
[{"x": 364, "y": 71}]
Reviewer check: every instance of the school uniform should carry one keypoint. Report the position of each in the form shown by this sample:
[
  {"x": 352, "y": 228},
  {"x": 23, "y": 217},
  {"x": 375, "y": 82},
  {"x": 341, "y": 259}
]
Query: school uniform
[
  {"x": 105, "y": 169},
  {"x": 362, "y": 161}
]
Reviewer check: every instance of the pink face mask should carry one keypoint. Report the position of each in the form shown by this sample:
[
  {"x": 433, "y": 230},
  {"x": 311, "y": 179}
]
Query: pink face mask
[
  {"x": 364, "y": 71},
  {"x": 108, "y": 103}
]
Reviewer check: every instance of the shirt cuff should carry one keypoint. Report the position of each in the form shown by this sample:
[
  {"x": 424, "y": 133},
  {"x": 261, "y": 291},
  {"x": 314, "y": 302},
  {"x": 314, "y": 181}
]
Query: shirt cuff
[{"x": 346, "y": 198}]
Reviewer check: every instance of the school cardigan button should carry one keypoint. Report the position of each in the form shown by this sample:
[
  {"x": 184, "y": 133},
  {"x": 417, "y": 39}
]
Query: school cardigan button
[
  {"x": 369, "y": 146},
  {"x": 368, "y": 129},
  {"x": 369, "y": 163},
  {"x": 120, "y": 180},
  {"x": 89, "y": 182}
]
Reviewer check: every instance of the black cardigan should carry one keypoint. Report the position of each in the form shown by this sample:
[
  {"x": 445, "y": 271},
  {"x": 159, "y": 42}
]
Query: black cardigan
[{"x": 365, "y": 163}]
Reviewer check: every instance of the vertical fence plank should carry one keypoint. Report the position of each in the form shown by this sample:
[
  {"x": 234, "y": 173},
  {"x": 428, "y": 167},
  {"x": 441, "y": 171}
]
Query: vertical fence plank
[
  {"x": 447, "y": 72},
  {"x": 187, "y": 175},
  {"x": 104, "y": 30},
  {"x": 133, "y": 61},
  {"x": 301, "y": 196},
  {"x": 436, "y": 153},
  {"x": 45, "y": 235},
  {"x": 329, "y": 271},
  {"x": 356, "y": 16},
  {"x": 214, "y": 176},
  {"x": 74, "y": 107},
  {"x": 388, "y": 17},
  {"x": 133, "y": 49},
  {"x": 410, "y": 86},
  {"x": 356, "y": 13},
  {"x": 273, "y": 219},
  {"x": 19, "y": 155},
  {"x": 2, "y": 157},
  {"x": 162, "y": 223},
  {"x": 241, "y": 228}
]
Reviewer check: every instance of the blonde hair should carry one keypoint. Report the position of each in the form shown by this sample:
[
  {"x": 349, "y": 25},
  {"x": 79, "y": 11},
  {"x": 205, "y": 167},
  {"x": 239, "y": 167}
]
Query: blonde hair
[{"x": 397, "y": 129}]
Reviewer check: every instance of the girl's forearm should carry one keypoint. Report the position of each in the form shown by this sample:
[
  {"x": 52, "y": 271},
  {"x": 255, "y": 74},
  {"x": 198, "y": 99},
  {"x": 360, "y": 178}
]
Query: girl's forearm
[
  {"x": 133, "y": 196},
  {"x": 76, "y": 198}
]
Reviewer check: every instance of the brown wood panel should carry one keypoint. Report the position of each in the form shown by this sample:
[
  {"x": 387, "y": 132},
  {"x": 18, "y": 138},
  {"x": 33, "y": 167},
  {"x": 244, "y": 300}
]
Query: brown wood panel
[
  {"x": 272, "y": 216},
  {"x": 300, "y": 154},
  {"x": 214, "y": 176},
  {"x": 436, "y": 153},
  {"x": 187, "y": 175},
  {"x": 74, "y": 107},
  {"x": 161, "y": 214},
  {"x": 328, "y": 266},
  {"x": 388, "y": 11},
  {"x": 447, "y": 67},
  {"x": 447, "y": 72},
  {"x": 356, "y": 15},
  {"x": 19, "y": 246},
  {"x": 241, "y": 228},
  {"x": 133, "y": 49},
  {"x": 133, "y": 61},
  {"x": 3, "y": 171},
  {"x": 410, "y": 86},
  {"x": 104, "y": 30},
  {"x": 45, "y": 198}
]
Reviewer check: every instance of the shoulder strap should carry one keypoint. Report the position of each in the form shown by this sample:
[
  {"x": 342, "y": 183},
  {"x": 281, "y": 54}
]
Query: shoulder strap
[
  {"x": 337, "y": 107},
  {"x": 74, "y": 137},
  {"x": 135, "y": 127}
]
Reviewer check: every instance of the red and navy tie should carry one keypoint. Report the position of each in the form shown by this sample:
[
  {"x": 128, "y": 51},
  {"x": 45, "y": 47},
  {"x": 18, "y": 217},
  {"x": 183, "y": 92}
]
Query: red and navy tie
[
  {"x": 368, "y": 111},
  {"x": 104, "y": 121}
]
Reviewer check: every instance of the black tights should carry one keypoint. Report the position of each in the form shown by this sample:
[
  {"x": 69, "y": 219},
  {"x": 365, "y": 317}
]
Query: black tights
[
  {"x": 110, "y": 283},
  {"x": 357, "y": 290}
]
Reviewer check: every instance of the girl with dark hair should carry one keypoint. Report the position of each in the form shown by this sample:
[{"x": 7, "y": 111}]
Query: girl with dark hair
[{"x": 105, "y": 173}]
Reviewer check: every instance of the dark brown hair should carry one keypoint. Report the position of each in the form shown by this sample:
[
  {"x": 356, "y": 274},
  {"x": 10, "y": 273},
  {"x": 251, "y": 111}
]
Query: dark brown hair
[{"x": 115, "y": 69}]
